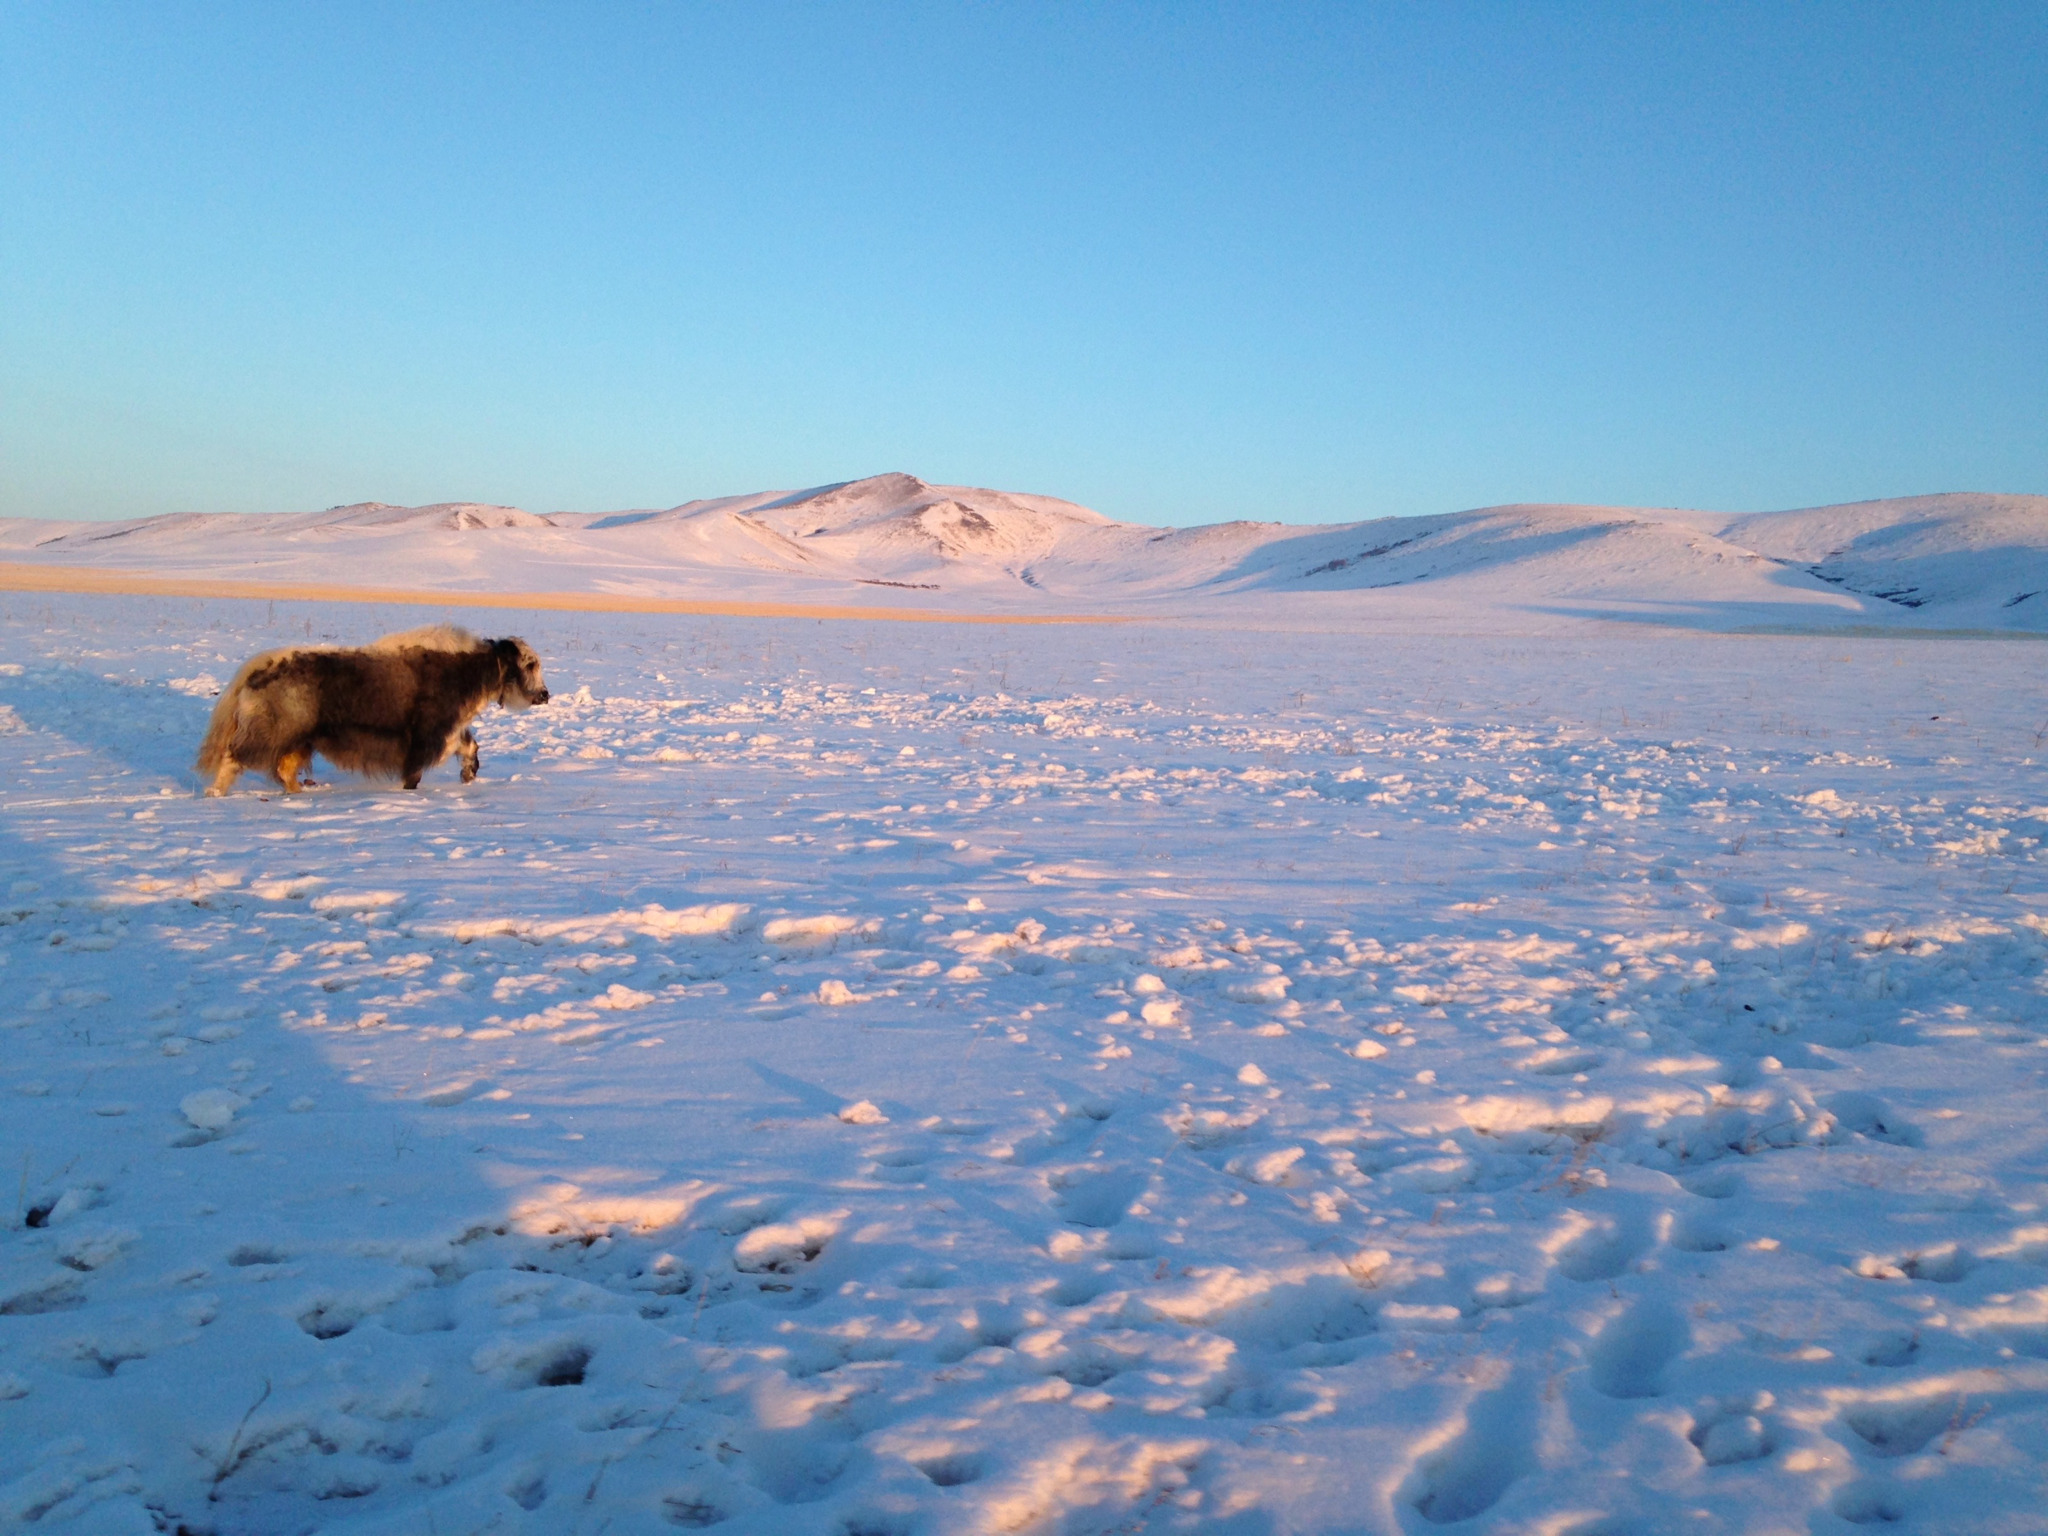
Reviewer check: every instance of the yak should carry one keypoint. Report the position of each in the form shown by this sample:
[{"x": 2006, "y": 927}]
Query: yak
[{"x": 390, "y": 710}]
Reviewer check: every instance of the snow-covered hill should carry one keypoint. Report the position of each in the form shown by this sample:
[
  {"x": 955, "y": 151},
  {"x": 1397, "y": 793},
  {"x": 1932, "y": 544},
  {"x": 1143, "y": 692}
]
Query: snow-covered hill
[
  {"x": 1972, "y": 558},
  {"x": 1959, "y": 560}
]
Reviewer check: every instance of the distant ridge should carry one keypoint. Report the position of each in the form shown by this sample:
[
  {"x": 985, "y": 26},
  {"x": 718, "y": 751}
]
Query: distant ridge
[
  {"x": 1959, "y": 560},
  {"x": 446, "y": 514}
]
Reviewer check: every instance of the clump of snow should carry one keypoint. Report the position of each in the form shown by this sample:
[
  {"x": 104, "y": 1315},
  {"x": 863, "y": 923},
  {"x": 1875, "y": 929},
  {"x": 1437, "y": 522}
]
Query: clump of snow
[
  {"x": 356, "y": 901},
  {"x": 819, "y": 932},
  {"x": 212, "y": 1109}
]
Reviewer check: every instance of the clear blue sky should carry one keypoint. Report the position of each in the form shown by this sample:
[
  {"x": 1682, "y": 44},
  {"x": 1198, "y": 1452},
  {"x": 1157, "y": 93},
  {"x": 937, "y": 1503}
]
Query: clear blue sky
[{"x": 1182, "y": 262}]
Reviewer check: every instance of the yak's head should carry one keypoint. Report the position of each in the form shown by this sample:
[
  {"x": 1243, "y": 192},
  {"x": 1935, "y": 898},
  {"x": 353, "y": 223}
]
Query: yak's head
[{"x": 522, "y": 687}]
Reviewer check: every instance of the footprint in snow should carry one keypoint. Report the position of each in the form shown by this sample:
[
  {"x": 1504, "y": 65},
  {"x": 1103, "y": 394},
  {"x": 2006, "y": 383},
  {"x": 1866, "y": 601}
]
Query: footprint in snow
[
  {"x": 1692, "y": 1232},
  {"x": 1629, "y": 1355},
  {"x": 559, "y": 1362},
  {"x": 1467, "y": 1474},
  {"x": 1902, "y": 1425},
  {"x": 529, "y": 1490},
  {"x": 1713, "y": 1184},
  {"x": 1889, "y": 1351},
  {"x": 38, "y": 1298},
  {"x": 901, "y": 1165},
  {"x": 1097, "y": 1197},
  {"x": 783, "y": 1248},
  {"x": 951, "y": 1469},
  {"x": 1869, "y": 1502},
  {"x": 692, "y": 1509},
  {"x": 1073, "y": 1129},
  {"x": 1868, "y": 1115},
  {"x": 1944, "y": 1264},
  {"x": 330, "y": 1318},
  {"x": 1730, "y": 1430},
  {"x": 1600, "y": 1247}
]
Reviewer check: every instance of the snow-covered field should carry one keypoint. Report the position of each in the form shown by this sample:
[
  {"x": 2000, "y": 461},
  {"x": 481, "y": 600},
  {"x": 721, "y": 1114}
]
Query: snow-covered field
[{"x": 858, "y": 1078}]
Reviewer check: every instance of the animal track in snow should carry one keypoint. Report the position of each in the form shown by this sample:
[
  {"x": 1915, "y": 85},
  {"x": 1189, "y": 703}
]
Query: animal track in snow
[
  {"x": 1868, "y": 1115},
  {"x": 1714, "y": 1184},
  {"x": 249, "y": 1255},
  {"x": 1485, "y": 1454},
  {"x": 1071, "y": 1130},
  {"x": 1868, "y": 1501},
  {"x": 1943, "y": 1263},
  {"x": 783, "y": 1248},
  {"x": 329, "y": 1319},
  {"x": 1629, "y": 1354},
  {"x": 797, "y": 1466},
  {"x": 1600, "y": 1246},
  {"x": 951, "y": 1469},
  {"x": 1096, "y": 1196},
  {"x": 1903, "y": 1423},
  {"x": 1730, "y": 1430},
  {"x": 1690, "y": 1232},
  {"x": 1890, "y": 1350},
  {"x": 549, "y": 1362},
  {"x": 63, "y": 1294},
  {"x": 692, "y": 1510}
]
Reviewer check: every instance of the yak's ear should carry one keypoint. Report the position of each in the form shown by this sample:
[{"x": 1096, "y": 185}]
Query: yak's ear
[{"x": 506, "y": 654}]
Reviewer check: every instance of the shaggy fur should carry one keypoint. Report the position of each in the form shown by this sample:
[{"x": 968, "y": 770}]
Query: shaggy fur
[
  {"x": 428, "y": 637},
  {"x": 391, "y": 710}
]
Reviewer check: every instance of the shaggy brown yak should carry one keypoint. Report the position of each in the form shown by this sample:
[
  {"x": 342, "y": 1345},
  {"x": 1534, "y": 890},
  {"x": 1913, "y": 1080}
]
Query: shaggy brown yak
[{"x": 391, "y": 710}]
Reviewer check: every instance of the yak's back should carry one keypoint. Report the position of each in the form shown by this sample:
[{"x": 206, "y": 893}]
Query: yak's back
[{"x": 428, "y": 637}]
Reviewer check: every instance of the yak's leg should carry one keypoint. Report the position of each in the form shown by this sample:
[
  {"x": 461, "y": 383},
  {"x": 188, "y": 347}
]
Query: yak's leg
[
  {"x": 224, "y": 777},
  {"x": 428, "y": 742},
  {"x": 466, "y": 746},
  {"x": 421, "y": 753},
  {"x": 289, "y": 767}
]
